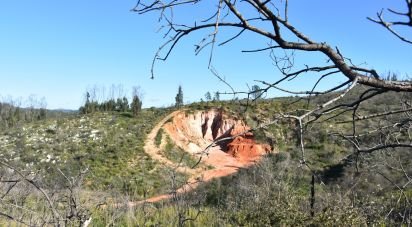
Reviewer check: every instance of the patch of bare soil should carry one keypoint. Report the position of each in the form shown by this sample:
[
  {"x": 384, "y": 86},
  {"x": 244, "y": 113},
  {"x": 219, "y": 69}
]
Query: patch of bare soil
[
  {"x": 155, "y": 152},
  {"x": 194, "y": 133}
]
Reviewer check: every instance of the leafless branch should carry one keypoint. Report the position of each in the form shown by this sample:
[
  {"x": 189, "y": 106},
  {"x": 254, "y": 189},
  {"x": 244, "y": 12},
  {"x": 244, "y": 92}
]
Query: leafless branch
[{"x": 388, "y": 25}]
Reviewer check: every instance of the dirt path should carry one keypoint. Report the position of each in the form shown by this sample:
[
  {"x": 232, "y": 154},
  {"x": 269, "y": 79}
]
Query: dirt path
[
  {"x": 222, "y": 163},
  {"x": 155, "y": 152}
]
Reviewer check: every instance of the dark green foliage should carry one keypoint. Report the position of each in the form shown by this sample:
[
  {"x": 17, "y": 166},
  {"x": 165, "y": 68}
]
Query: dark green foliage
[
  {"x": 109, "y": 105},
  {"x": 158, "y": 138},
  {"x": 120, "y": 105},
  {"x": 216, "y": 97},
  {"x": 179, "y": 98},
  {"x": 256, "y": 92},
  {"x": 87, "y": 108},
  {"x": 42, "y": 114},
  {"x": 125, "y": 105},
  {"x": 136, "y": 105},
  {"x": 208, "y": 97}
]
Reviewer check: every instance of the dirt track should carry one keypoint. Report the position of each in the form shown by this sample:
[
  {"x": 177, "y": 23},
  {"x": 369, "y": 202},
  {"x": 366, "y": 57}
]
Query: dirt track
[{"x": 155, "y": 152}]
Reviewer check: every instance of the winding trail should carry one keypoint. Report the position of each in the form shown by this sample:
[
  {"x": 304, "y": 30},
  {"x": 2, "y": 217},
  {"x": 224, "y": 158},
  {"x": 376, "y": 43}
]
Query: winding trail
[
  {"x": 223, "y": 164},
  {"x": 155, "y": 152}
]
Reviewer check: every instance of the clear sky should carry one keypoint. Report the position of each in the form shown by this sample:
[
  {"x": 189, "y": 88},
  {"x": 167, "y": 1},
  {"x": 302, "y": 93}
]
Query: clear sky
[{"x": 57, "y": 49}]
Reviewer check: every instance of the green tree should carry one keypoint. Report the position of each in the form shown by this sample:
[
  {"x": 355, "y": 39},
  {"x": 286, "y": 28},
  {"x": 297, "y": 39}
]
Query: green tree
[
  {"x": 208, "y": 97},
  {"x": 179, "y": 97},
  {"x": 125, "y": 105},
  {"x": 110, "y": 105},
  {"x": 42, "y": 114},
  {"x": 217, "y": 96},
  {"x": 256, "y": 92},
  {"x": 119, "y": 104},
  {"x": 86, "y": 108},
  {"x": 136, "y": 104}
]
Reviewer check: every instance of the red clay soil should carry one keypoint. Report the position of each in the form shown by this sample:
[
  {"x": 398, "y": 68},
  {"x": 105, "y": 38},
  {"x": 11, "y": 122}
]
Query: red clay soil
[
  {"x": 245, "y": 149},
  {"x": 195, "y": 132}
]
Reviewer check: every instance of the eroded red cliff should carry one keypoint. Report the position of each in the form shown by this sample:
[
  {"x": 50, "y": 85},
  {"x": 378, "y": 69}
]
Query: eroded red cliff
[{"x": 195, "y": 131}]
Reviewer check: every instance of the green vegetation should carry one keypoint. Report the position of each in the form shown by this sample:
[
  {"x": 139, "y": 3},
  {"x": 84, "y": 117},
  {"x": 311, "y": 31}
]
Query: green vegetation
[
  {"x": 158, "y": 138},
  {"x": 166, "y": 215},
  {"x": 110, "y": 144},
  {"x": 96, "y": 100},
  {"x": 13, "y": 115},
  {"x": 271, "y": 193},
  {"x": 119, "y": 105},
  {"x": 177, "y": 155},
  {"x": 348, "y": 187},
  {"x": 274, "y": 192},
  {"x": 179, "y": 98}
]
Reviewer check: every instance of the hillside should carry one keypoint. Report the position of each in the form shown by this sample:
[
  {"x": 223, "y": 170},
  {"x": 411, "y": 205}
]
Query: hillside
[
  {"x": 110, "y": 145},
  {"x": 203, "y": 149},
  {"x": 208, "y": 163}
]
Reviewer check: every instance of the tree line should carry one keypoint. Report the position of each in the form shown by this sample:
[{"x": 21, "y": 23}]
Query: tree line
[
  {"x": 14, "y": 111},
  {"x": 120, "y": 104},
  {"x": 255, "y": 93}
]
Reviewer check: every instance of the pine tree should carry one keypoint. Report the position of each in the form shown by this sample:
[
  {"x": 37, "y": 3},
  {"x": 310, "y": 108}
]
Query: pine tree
[
  {"x": 42, "y": 114},
  {"x": 208, "y": 96},
  {"x": 86, "y": 108},
  {"x": 179, "y": 97},
  {"x": 125, "y": 105},
  {"x": 136, "y": 105},
  {"x": 119, "y": 104},
  {"x": 217, "y": 96},
  {"x": 256, "y": 92}
]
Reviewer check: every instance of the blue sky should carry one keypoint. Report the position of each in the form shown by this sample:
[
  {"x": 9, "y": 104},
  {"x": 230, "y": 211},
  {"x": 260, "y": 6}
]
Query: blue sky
[{"x": 57, "y": 49}]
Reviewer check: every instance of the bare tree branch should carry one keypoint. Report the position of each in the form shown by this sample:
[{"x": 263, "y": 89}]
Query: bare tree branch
[{"x": 388, "y": 25}]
